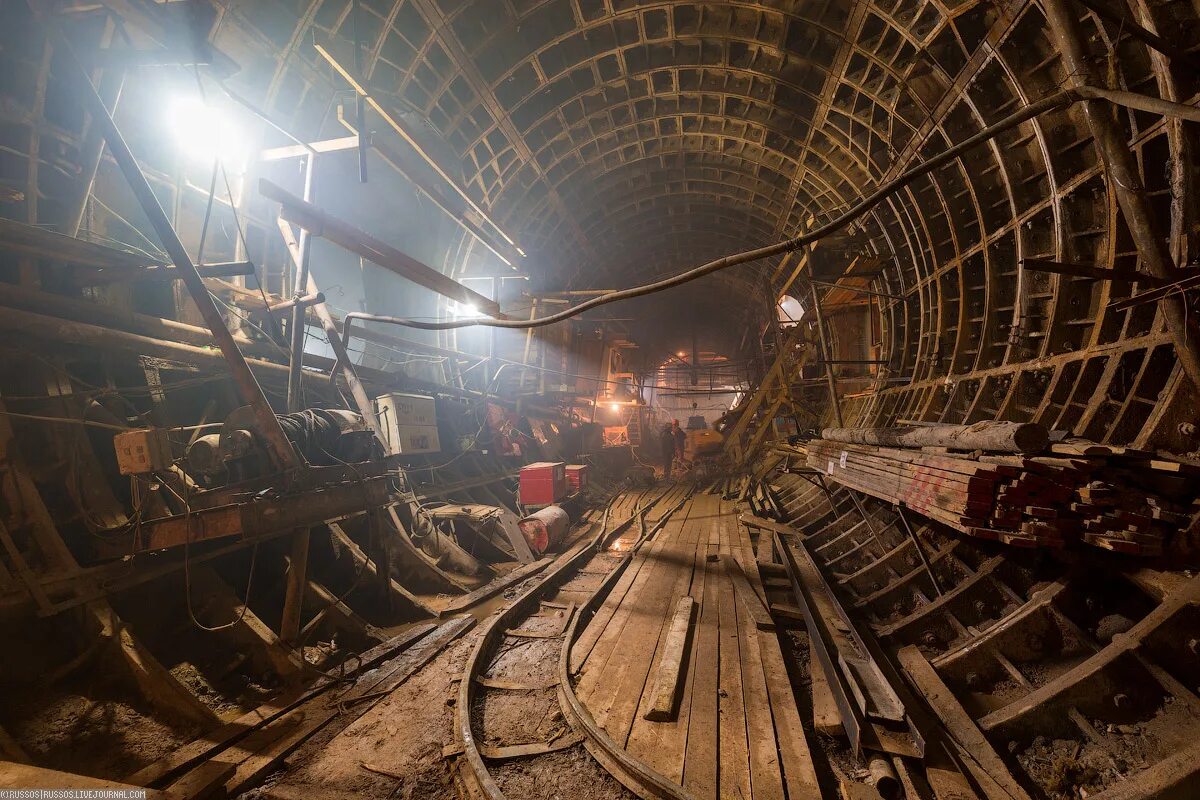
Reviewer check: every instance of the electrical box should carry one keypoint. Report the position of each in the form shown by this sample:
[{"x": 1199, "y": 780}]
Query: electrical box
[
  {"x": 408, "y": 423},
  {"x": 577, "y": 477},
  {"x": 406, "y": 409},
  {"x": 543, "y": 483},
  {"x": 411, "y": 440},
  {"x": 143, "y": 450}
]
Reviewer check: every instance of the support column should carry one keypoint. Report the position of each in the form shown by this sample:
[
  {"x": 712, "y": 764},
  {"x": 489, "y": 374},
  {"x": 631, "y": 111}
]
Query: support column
[
  {"x": 1126, "y": 182},
  {"x": 830, "y": 382}
]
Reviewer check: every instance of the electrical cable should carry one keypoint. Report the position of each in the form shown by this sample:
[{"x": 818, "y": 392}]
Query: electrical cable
[{"x": 1055, "y": 100}]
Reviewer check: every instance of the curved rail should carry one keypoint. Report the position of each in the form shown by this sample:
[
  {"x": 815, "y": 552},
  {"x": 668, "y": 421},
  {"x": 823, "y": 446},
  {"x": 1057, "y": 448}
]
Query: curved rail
[
  {"x": 477, "y": 780},
  {"x": 633, "y": 773}
]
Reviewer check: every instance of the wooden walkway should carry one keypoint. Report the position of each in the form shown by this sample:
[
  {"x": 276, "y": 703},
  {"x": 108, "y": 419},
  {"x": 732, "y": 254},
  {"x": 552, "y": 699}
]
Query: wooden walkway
[{"x": 735, "y": 729}]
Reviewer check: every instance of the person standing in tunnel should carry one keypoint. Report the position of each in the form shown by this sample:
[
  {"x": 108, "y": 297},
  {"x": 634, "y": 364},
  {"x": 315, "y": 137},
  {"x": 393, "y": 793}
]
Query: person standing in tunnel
[
  {"x": 666, "y": 445},
  {"x": 680, "y": 440}
]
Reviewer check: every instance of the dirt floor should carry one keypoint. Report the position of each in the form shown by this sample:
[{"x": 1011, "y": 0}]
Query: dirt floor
[
  {"x": 1066, "y": 769},
  {"x": 570, "y": 775},
  {"x": 92, "y": 727},
  {"x": 403, "y": 734}
]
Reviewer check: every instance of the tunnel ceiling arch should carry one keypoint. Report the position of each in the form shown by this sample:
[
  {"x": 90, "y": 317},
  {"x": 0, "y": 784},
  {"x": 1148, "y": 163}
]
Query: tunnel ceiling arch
[{"x": 620, "y": 141}]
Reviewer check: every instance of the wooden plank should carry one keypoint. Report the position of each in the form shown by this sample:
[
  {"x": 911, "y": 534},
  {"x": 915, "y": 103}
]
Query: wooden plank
[
  {"x": 27, "y": 776},
  {"x": 597, "y": 676},
  {"x": 702, "y": 757},
  {"x": 826, "y": 718},
  {"x": 668, "y": 674},
  {"x": 229, "y": 733},
  {"x": 207, "y": 780},
  {"x": 663, "y": 746},
  {"x": 261, "y": 752},
  {"x": 733, "y": 753},
  {"x": 322, "y": 223},
  {"x": 769, "y": 525},
  {"x": 759, "y": 614},
  {"x": 957, "y": 721},
  {"x": 766, "y": 775},
  {"x": 582, "y": 649},
  {"x": 615, "y": 701},
  {"x": 153, "y": 680}
]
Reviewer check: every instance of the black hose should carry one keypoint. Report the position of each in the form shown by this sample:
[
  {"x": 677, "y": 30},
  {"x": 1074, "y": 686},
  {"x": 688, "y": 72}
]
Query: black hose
[{"x": 1058, "y": 99}]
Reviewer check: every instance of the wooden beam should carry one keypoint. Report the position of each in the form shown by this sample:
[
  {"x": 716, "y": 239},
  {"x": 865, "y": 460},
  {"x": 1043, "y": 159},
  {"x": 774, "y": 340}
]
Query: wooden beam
[
  {"x": 1090, "y": 271},
  {"x": 669, "y": 673},
  {"x": 52, "y": 246},
  {"x": 300, "y": 150},
  {"x": 25, "y": 776},
  {"x": 257, "y": 517},
  {"x": 322, "y": 223}
]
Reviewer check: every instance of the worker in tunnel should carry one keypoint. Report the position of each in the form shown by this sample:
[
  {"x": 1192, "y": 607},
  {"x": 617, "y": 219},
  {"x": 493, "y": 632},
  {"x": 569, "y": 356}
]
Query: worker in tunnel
[
  {"x": 680, "y": 440},
  {"x": 666, "y": 444}
]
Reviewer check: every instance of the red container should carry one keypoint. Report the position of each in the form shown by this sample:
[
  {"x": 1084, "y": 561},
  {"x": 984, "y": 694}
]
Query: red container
[
  {"x": 544, "y": 529},
  {"x": 577, "y": 477},
  {"x": 543, "y": 483}
]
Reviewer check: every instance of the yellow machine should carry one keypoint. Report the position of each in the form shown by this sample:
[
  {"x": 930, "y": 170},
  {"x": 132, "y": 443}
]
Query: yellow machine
[{"x": 704, "y": 445}]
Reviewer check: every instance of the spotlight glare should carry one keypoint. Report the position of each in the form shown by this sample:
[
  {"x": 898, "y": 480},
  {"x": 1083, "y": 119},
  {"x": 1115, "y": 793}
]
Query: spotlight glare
[
  {"x": 615, "y": 406},
  {"x": 464, "y": 310},
  {"x": 204, "y": 132}
]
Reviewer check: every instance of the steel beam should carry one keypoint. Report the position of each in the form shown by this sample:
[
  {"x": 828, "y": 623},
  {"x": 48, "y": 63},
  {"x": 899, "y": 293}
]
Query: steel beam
[
  {"x": 277, "y": 444},
  {"x": 323, "y": 224}
]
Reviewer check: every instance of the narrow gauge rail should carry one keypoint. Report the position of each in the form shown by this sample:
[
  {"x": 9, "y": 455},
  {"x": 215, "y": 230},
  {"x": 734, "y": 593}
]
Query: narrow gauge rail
[{"x": 540, "y": 625}]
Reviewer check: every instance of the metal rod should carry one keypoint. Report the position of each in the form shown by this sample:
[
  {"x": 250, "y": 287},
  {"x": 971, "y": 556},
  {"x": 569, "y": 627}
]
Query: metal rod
[
  {"x": 395, "y": 125},
  {"x": 277, "y": 444},
  {"x": 853, "y": 361},
  {"x": 360, "y": 106},
  {"x": 1143, "y": 35},
  {"x": 296, "y": 364},
  {"x": 92, "y": 152},
  {"x": 310, "y": 217},
  {"x": 1126, "y": 183},
  {"x": 920, "y": 551},
  {"x": 1088, "y": 271},
  {"x": 344, "y": 364},
  {"x": 830, "y": 381},
  {"x": 858, "y": 289},
  {"x": 301, "y": 302}
]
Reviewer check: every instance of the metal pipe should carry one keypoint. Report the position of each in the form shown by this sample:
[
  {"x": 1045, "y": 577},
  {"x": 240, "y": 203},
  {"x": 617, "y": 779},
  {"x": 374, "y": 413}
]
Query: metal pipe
[
  {"x": 307, "y": 300},
  {"x": 1125, "y": 182},
  {"x": 343, "y": 363},
  {"x": 360, "y": 106},
  {"x": 92, "y": 153},
  {"x": 296, "y": 331},
  {"x": 937, "y": 587},
  {"x": 277, "y": 444}
]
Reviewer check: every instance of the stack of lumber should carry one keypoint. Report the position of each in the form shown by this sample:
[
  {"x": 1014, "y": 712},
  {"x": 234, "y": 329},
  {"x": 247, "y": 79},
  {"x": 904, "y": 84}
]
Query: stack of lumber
[{"x": 1119, "y": 499}]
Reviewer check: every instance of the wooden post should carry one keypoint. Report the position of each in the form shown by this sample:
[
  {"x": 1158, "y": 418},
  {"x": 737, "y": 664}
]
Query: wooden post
[
  {"x": 830, "y": 381},
  {"x": 1126, "y": 183},
  {"x": 996, "y": 436}
]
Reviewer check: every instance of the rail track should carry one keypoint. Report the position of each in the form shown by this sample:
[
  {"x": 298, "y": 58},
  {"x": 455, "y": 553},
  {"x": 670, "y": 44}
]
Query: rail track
[
  {"x": 516, "y": 685},
  {"x": 1051, "y": 677}
]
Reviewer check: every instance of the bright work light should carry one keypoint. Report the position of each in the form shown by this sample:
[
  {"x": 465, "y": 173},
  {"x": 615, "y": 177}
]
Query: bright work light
[{"x": 204, "y": 132}]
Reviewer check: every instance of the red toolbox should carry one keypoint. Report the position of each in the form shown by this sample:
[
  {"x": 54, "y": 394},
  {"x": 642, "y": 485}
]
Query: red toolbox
[
  {"x": 543, "y": 483},
  {"x": 577, "y": 477}
]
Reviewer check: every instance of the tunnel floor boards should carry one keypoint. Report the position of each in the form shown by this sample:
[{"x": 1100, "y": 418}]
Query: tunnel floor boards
[{"x": 736, "y": 731}]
